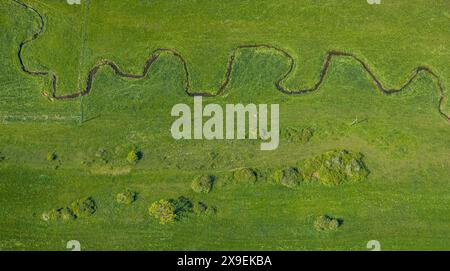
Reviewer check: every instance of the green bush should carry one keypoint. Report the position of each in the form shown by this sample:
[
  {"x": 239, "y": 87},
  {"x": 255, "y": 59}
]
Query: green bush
[
  {"x": 80, "y": 208},
  {"x": 102, "y": 154},
  {"x": 202, "y": 184},
  {"x": 335, "y": 167},
  {"x": 245, "y": 175},
  {"x": 2, "y": 157},
  {"x": 202, "y": 209},
  {"x": 126, "y": 197},
  {"x": 61, "y": 214},
  {"x": 298, "y": 135},
  {"x": 134, "y": 156},
  {"x": 84, "y": 207},
  {"x": 289, "y": 177},
  {"x": 164, "y": 211},
  {"x": 51, "y": 156},
  {"x": 327, "y": 223}
]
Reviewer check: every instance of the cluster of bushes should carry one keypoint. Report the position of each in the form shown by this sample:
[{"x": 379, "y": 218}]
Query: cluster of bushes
[
  {"x": 169, "y": 211},
  {"x": 330, "y": 168},
  {"x": 327, "y": 223},
  {"x": 80, "y": 208},
  {"x": 126, "y": 197},
  {"x": 335, "y": 167},
  {"x": 297, "y": 134}
]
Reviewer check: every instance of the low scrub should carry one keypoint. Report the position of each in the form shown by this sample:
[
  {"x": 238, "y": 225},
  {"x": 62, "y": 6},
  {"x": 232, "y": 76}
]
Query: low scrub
[
  {"x": 202, "y": 209},
  {"x": 60, "y": 214},
  {"x": 297, "y": 134},
  {"x": 134, "y": 156},
  {"x": 202, "y": 184},
  {"x": 126, "y": 197},
  {"x": 80, "y": 208},
  {"x": 327, "y": 223},
  {"x": 164, "y": 211},
  {"x": 245, "y": 175},
  {"x": 335, "y": 167},
  {"x": 289, "y": 177},
  {"x": 84, "y": 207},
  {"x": 51, "y": 156}
]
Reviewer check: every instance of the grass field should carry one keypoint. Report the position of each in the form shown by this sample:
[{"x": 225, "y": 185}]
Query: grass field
[{"x": 404, "y": 203}]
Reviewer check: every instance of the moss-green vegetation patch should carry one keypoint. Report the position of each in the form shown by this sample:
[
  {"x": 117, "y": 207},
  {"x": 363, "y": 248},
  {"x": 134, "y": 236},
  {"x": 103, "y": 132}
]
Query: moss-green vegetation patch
[
  {"x": 60, "y": 214},
  {"x": 80, "y": 208},
  {"x": 84, "y": 207},
  {"x": 289, "y": 177},
  {"x": 172, "y": 210},
  {"x": 126, "y": 197},
  {"x": 202, "y": 184},
  {"x": 335, "y": 167},
  {"x": 51, "y": 156},
  {"x": 163, "y": 210},
  {"x": 327, "y": 223},
  {"x": 297, "y": 135},
  {"x": 134, "y": 156},
  {"x": 201, "y": 208},
  {"x": 245, "y": 175}
]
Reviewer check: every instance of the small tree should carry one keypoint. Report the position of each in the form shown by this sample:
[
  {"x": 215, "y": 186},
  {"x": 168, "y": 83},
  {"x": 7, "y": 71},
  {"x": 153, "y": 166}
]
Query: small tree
[
  {"x": 51, "y": 156},
  {"x": 132, "y": 157},
  {"x": 202, "y": 184},
  {"x": 327, "y": 223},
  {"x": 163, "y": 210}
]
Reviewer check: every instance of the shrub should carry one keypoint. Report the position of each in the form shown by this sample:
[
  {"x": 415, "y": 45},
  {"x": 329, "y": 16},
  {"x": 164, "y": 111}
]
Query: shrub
[
  {"x": 246, "y": 175},
  {"x": 84, "y": 207},
  {"x": 61, "y": 214},
  {"x": 327, "y": 223},
  {"x": 335, "y": 167},
  {"x": 163, "y": 210},
  {"x": 202, "y": 184},
  {"x": 298, "y": 135},
  {"x": 289, "y": 177},
  {"x": 126, "y": 197},
  {"x": 51, "y": 156},
  {"x": 80, "y": 208},
  {"x": 102, "y": 154},
  {"x": 202, "y": 209},
  {"x": 134, "y": 156},
  {"x": 2, "y": 157}
]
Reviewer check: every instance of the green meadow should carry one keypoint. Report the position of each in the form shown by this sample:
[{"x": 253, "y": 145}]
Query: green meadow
[{"x": 404, "y": 202}]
